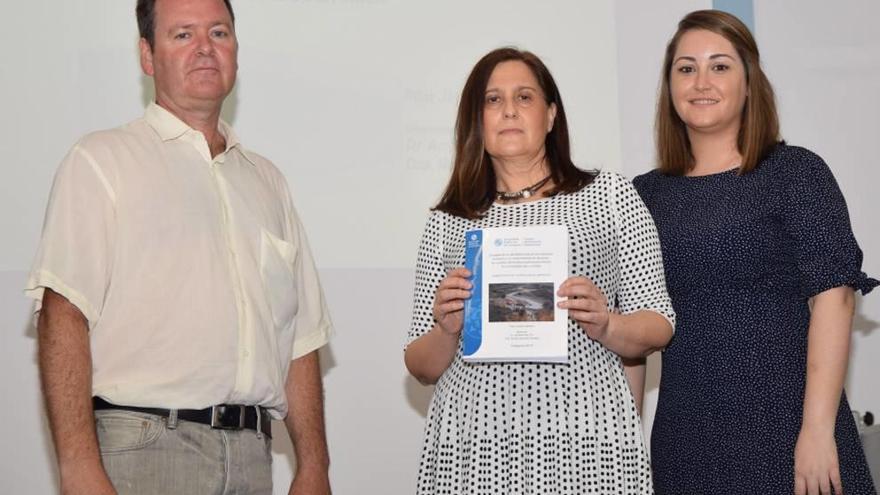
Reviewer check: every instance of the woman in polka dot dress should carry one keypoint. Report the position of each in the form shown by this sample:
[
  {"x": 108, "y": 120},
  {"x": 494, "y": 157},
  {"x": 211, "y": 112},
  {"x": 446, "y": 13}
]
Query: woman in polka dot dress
[
  {"x": 751, "y": 394},
  {"x": 535, "y": 428}
]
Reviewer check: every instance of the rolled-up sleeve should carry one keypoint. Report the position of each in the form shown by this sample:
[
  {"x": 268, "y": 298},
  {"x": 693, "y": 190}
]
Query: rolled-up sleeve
[
  {"x": 312, "y": 325},
  {"x": 75, "y": 254}
]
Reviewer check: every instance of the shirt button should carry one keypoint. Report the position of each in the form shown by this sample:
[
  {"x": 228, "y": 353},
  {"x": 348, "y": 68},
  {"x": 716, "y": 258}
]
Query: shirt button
[{"x": 245, "y": 353}]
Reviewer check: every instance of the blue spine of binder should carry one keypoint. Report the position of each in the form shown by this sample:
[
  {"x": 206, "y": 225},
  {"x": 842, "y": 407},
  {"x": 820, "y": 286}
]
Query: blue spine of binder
[{"x": 473, "y": 307}]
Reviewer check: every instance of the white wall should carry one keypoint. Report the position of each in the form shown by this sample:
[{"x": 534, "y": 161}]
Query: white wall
[{"x": 354, "y": 100}]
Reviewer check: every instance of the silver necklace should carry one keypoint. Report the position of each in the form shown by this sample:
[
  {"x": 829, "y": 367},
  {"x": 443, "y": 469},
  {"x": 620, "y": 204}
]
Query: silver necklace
[{"x": 524, "y": 193}]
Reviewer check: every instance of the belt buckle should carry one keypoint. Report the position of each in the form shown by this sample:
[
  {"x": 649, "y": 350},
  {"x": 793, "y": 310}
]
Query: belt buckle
[{"x": 220, "y": 417}]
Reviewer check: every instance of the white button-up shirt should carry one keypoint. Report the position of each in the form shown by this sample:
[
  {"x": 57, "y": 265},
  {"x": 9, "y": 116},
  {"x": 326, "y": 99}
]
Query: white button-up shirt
[{"x": 194, "y": 272}]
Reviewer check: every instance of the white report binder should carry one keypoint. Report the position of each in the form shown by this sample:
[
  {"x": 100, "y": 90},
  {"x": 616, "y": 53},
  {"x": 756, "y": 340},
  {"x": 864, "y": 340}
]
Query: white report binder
[{"x": 512, "y": 314}]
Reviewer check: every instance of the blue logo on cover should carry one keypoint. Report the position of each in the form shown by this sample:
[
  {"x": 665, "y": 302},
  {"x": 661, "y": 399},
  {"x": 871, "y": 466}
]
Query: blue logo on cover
[{"x": 499, "y": 242}]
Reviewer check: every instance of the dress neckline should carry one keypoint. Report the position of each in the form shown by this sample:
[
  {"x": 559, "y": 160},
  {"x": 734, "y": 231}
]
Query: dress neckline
[{"x": 714, "y": 174}]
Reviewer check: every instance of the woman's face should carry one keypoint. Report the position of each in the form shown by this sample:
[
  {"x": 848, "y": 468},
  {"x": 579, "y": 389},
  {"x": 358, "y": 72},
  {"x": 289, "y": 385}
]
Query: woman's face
[
  {"x": 708, "y": 83},
  {"x": 516, "y": 117}
]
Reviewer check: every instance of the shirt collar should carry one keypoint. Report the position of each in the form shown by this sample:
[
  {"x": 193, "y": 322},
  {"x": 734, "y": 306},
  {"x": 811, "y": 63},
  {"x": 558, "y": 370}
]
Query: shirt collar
[{"x": 169, "y": 127}]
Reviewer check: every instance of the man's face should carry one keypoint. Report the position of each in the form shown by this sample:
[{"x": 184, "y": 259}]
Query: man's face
[{"x": 195, "y": 56}]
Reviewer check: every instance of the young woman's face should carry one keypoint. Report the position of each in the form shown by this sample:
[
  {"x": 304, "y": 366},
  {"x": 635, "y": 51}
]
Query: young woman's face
[{"x": 707, "y": 83}]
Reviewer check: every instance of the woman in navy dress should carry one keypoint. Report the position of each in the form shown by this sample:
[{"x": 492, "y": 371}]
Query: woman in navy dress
[{"x": 761, "y": 265}]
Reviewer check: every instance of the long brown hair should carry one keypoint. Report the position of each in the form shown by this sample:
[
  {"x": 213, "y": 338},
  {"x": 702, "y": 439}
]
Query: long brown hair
[
  {"x": 471, "y": 188},
  {"x": 759, "y": 126}
]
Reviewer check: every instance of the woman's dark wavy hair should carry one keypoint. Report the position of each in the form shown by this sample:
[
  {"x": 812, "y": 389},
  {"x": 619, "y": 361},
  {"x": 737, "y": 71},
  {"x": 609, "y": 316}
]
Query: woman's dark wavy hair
[
  {"x": 759, "y": 127},
  {"x": 471, "y": 188}
]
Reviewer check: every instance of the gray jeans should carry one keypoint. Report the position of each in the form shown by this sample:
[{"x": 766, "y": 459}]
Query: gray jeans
[{"x": 143, "y": 456}]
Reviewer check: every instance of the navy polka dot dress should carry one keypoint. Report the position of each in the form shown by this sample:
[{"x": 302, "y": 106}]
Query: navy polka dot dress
[
  {"x": 743, "y": 254},
  {"x": 541, "y": 429}
]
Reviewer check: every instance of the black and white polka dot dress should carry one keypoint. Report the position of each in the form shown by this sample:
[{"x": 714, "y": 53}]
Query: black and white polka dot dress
[
  {"x": 527, "y": 428},
  {"x": 743, "y": 255}
]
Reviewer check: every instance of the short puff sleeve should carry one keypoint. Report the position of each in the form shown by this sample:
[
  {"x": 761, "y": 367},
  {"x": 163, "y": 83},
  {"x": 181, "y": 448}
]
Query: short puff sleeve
[{"x": 815, "y": 216}]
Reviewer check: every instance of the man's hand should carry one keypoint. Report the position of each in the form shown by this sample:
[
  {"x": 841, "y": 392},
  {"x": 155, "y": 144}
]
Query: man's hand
[
  {"x": 310, "y": 482},
  {"x": 305, "y": 424},
  {"x": 85, "y": 479},
  {"x": 66, "y": 373}
]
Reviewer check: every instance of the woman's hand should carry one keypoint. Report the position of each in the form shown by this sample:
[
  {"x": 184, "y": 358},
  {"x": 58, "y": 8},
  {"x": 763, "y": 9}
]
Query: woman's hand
[
  {"x": 586, "y": 305},
  {"x": 816, "y": 469},
  {"x": 449, "y": 300},
  {"x": 816, "y": 464}
]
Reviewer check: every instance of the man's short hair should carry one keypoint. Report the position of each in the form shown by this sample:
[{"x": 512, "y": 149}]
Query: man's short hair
[{"x": 146, "y": 18}]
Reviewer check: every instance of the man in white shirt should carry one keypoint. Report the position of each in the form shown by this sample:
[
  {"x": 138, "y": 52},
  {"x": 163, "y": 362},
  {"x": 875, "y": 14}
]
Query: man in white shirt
[{"x": 180, "y": 307}]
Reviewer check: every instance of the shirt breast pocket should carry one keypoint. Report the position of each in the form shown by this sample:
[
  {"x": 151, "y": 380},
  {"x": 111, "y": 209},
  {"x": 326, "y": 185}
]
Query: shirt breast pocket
[{"x": 277, "y": 261}]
